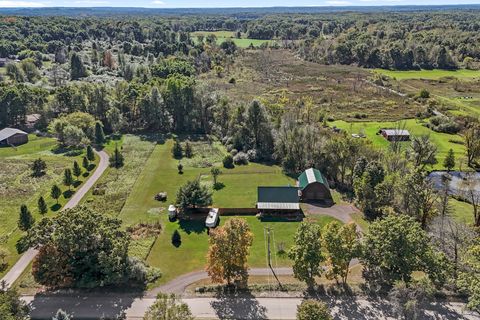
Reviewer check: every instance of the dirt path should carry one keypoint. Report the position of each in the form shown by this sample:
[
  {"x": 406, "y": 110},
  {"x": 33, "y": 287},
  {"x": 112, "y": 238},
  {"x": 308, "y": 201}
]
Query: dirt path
[{"x": 22, "y": 263}]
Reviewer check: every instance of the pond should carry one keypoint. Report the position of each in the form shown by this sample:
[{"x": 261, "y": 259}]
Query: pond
[{"x": 457, "y": 181}]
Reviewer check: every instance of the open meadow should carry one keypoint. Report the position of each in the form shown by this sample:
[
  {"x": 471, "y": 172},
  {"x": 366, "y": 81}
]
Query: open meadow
[
  {"x": 279, "y": 78},
  {"x": 443, "y": 141},
  {"x": 17, "y": 186},
  {"x": 221, "y": 36}
]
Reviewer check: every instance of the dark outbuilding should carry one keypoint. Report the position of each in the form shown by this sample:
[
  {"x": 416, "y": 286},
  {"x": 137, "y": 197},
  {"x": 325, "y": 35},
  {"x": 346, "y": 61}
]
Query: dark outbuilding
[
  {"x": 272, "y": 200},
  {"x": 314, "y": 187},
  {"x": 12, "y": 137}
]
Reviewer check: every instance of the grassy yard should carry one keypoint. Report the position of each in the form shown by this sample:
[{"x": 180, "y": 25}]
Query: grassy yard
[
  {"x": 242, "y": 42},
  {"x": 240, "y": 186},
  {"x": 191, "y": 254},
  {"x": 18, "y": 187},
  {"x": 430, "y": 74},
  {"x": 462, "y": 211},
  {"x": 442, "y": 140}
]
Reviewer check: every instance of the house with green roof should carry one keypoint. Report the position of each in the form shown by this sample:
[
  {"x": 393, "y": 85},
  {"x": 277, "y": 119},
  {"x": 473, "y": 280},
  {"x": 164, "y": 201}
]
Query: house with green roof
[{"x": 313, "y": 187}]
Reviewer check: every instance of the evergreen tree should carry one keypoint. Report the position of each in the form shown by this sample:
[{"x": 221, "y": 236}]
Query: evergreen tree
[
  {"x": 85, "y": 163},
  {"x": 177, "y": 150},
  {"x": 77, "y": 69},
  {"x": 180, "y": 168},
  {"x": 68, "y": 178},
  {"x": 38, "y": 167},
  {"x": 25, "y": 220},
  {"x": 99, "y": 134},
  {"x": 188, "y": 150},
  {"x": 116, "y": 160},
  {"x": 42, "y": 206},
  {"x": 90, "y": 154},
  {"x": 77, "y": 171},
  {"x": 449, "y": 162},
  {"x": 56, "y": 192}
]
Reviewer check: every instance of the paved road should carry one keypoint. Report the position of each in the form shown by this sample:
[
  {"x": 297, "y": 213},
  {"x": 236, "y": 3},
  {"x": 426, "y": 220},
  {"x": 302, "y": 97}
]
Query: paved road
[
  {"x": 179, "y": 284},
  {"x": 28, "y": 256},
  {"x": 240, "y": 308}
]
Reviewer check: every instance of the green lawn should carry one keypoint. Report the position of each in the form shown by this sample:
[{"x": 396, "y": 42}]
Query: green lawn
[
  {"x": 160, "y": 174},
  {"x": 191, "y": 254},
  {"x": 430, "y": 74},
  {"x": 18, "y": 187},
  {"x": 442, "y": 140},
  {"x": 462, "y": 211},
  {"x": 224, "y": 35}
]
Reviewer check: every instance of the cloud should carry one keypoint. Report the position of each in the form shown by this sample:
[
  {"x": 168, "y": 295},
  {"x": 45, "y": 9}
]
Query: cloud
[
  {"x": 21, "y": 4},
  {"x": 338, "y": 3},
  {"x": 158, "y": 2}
]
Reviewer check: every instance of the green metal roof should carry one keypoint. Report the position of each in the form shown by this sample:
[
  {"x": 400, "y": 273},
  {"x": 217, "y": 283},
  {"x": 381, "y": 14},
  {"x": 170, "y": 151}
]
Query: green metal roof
[
  {"x": 278, "y": 194},
  {"x": 310, "y": 176}
]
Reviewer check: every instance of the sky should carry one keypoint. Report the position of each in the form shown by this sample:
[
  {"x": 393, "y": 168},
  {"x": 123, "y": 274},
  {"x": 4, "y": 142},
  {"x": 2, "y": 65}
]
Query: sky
[{"x": 221, "y": 3}]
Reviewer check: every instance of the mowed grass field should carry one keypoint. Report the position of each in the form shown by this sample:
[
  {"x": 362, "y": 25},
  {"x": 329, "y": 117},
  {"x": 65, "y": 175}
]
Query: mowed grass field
[
  {"x": 242, "y": 42},
  {"x": 443, "y": 141},
  {"x": 18, "y": 187},
  {"x": 434, "y": 74},
  {"x": 240, "y": 186}
]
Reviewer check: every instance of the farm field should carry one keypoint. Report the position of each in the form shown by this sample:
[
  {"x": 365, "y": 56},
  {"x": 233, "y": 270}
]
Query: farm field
[
  {"x": 224, "y": 35},
  {"x": 18, "y": 187},
  {"x": 443, "y": 141},
  {"x": 281, "y": 80}
]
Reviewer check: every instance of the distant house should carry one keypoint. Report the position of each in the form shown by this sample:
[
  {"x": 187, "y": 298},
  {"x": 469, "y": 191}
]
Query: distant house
[
  {"x": 314, "y": 187},
  {"x": 273, "y": 200},
  {"x": 395, "y": 134},
  {"x": 12, "y": 137}
]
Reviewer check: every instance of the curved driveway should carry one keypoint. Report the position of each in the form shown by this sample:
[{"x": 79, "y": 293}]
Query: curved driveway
[{"x": 22, "y": 263}]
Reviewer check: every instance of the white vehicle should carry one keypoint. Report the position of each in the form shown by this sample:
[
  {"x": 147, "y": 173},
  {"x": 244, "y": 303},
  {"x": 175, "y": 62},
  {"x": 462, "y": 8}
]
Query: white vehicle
[
  {"x": 172, "y": 211},
  {"x": 212, "y": 218}
]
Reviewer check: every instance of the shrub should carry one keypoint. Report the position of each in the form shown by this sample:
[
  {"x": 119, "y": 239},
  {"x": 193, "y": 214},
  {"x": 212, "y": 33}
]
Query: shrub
[
  {"x": 313, "y": 310},
  {"x": 228, "y": 161},
  {"x": 252, "y": 155},
  {"x": 234, "y": 152},
  {"x": 240, "y": 158},
  {"x": 444, "y": 124}
]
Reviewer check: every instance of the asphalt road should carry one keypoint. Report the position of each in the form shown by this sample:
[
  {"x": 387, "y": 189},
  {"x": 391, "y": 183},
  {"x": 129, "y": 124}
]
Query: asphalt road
[
  {"x": 238, "y": 308},
  {"x": 14, "y": 273}
]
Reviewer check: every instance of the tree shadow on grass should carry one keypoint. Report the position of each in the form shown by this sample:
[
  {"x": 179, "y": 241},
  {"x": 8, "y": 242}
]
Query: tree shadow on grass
[
  {"x": 67, "y": 194},
  {"x": 55, "y": 207},
  {"x": 189, "y": 226},
  {"x": 86, "y": 174},
  {"x": 77, "y": 183},
  {"x": 238, "y": 306},
  {"x": 91, "y": 166}
]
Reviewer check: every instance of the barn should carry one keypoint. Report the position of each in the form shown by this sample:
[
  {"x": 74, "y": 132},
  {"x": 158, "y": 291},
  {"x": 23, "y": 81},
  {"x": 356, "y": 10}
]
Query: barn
[
  {"x": 314, "y": 187},
  {"x": 278, "y": 200},
  {"x": 395, "y": 134},
  {"x": 12, "y": 137}
]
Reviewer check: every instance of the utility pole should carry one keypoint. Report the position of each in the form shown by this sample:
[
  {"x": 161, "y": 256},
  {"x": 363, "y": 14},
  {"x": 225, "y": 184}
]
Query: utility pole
[{"x": 269, "y": 257}]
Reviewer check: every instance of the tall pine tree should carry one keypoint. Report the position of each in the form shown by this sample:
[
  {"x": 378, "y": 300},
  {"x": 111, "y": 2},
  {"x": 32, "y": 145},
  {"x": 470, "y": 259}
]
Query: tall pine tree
[{"x": 25, "y": 220}]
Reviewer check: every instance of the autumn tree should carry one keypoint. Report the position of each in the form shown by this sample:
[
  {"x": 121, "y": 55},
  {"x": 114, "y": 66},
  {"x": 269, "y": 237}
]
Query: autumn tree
[
  {"x": 168, "y": 307},
  {"x": 306, "y": 253},
  {"x": 341, "y": 247},
  {"x": 109, "y": 60},
  {"x": 229, "y": 247}
]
